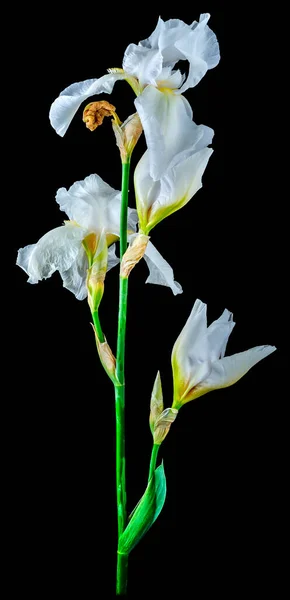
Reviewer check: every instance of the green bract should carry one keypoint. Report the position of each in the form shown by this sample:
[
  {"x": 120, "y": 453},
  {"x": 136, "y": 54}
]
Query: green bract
[{"x": 145, "y": 513}]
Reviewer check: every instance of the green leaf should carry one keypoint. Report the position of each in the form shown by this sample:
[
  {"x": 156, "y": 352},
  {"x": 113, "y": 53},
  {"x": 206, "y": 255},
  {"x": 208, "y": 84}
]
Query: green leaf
[{"x": 145, "y": 513}]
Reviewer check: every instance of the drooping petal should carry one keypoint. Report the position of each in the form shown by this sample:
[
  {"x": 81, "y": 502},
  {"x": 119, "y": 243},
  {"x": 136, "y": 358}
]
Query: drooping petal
[
  {"x": 218, "y": 334},
  {"x": 113, "y": 259},
  {"x": 200, "y": 47},
  {"x": 92, "y": 203},
  {"x": 156, "y": 200},
  {"x": 132, "y": 219},
  {"x": 146, "y": 190},
  {"x": 170, "y": 132},
  {"x": 66, "y": 105},
  {"x": 160, "y": 272},
  {"x": 230, "y": 369},
  {"x": 74, "y": 279},
  {"x": 57, "y": 250},
  {"x": 190, "y": 353},
  {"x": 143, "y": 63}
]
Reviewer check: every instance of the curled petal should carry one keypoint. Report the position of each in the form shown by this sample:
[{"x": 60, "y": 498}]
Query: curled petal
[
  {"x": 57, "y": 250},
  {"x": 200, "y": 47},
  {"x": 170, "y": 132},
  {"x": 143, "y": 63},
  {"x": 64, "y": 108},
  {"x": 95, "y": 205},
  {"x": 160, "y": 272},
  {"x": 92, "y": 203}
]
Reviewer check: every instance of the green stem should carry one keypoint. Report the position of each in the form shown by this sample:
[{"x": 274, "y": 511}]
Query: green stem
[
  {"x": 153, "y": 459},
  {"x": 98, "y": 327},
  {"x": 124, "y": 207},
  {"x": 122, "y": 562},
  {"x": 122, "y": 570}
]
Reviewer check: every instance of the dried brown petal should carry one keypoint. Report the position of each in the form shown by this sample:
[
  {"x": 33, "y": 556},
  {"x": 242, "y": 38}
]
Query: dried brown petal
[
  {"x": 95, "y": 112},
  {"x": 133, "y": 254}
]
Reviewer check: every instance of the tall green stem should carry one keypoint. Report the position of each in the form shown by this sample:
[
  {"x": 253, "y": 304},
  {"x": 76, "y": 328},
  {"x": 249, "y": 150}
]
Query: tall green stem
[
  {"x": 122, "y": 562},
  {"x": 153, "y": 459}
]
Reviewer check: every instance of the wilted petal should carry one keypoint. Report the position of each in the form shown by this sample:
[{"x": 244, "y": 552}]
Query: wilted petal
[
  {"x": 160, "y": 272},
  {"x": 132, "y": 219},
  {"x": 57, "y": 250},
  {"x": 143, "y": 63},
  {"x": 230, "y": 369},
  {"x": 218, "y": 334},
  {"x": 190, "y": 354},
  {"x": 92, "y": 203},
  {"x": 66, "y": 105},
  {"x": 74, "y": 279},
  {"x": 170, "y": 132},
  {"x": 200, "y": 47}
]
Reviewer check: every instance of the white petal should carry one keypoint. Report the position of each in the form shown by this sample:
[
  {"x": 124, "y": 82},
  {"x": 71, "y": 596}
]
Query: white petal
[
  {"x": 57, "y": 250},
  {"x": 146, "y": 189},
  {"x": 93, "y": 204},
  {"x": 230, "y": 369},
  {"x": 190, "y": 353},
  {"x": 75, "y": 278},
  {"x": 66, "y": 105},
  {"x": 164, "y": 38},
  {"x": 218, "y": 334},
  {"x": 132, "y": 219},
  {"x": 113, "y": 260},
  {"x": 179, "y": 185},
  {"x": 160, "y": 272},
  {"x": 172, "y": 31},
  {"x": 23, "y": 260},
  {"x": 170, "y": 132},
  {"x": 200, "y": 47},
  {"x": 152, "y": 40},
  {"x": 143, "y": 63}
]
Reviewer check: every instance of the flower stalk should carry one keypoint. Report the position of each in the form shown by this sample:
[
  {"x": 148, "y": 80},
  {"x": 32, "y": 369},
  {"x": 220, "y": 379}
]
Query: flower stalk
[
  {"x": 122, "y": 562},
  {"x": 153, "y": 459}
]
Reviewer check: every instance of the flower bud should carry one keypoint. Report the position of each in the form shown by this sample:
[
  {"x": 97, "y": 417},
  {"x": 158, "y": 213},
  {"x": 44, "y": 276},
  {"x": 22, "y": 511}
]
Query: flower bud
[
  {"x": 156, "y": 404},
  {"x": 160, "y": 420},
  {"x": 95, "y": 112},
  {"x": 97, "y": 253},
  {"x": 133, "y": 254},
  {"x": 127, "y": 135}
]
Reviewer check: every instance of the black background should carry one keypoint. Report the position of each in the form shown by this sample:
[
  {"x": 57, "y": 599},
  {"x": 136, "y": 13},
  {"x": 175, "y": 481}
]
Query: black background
[{"x": 219, "y": 530}]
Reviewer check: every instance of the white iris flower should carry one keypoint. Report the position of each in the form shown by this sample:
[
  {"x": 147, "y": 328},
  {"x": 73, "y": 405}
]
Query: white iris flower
[
  {"x": 93, "y": 208},
  {"x": 198, "y": 357},
  {"x": 149, "y": 67}
]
